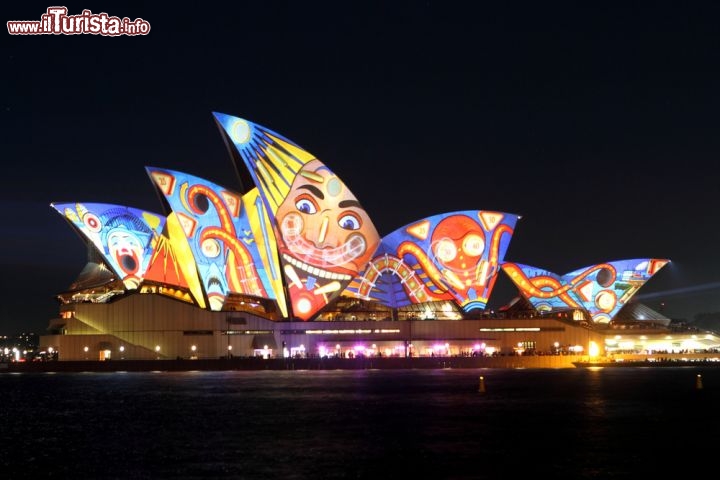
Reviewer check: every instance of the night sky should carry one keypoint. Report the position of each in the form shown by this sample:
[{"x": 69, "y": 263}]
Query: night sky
[{"x": 599, "y": 125}]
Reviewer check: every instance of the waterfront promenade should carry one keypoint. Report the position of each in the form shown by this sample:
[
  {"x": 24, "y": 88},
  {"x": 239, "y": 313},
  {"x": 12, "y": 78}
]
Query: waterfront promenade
[
  {"x": 328, "y": 363},
  {"x": 358, "y": 363}
]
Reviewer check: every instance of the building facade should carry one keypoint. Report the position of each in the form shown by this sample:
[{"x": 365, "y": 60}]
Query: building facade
[{"x": 294, "y": 267}]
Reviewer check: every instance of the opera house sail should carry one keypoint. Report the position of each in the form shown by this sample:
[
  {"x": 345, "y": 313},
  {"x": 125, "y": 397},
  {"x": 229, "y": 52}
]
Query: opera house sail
[{"x": 255, "y": 268}]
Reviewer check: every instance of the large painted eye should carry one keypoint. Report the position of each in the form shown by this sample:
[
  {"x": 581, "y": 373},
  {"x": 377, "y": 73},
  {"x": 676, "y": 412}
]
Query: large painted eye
[
  {"x": 210, "y": 247},
  {"x": 473, "y": 245},
  {"x": 92, "y": 222},
  {"x": 306, "y": 204},
  {"x": 445, "y": 250},
  {"x": 200, "y": 203},
  {"x": 606, "y": 300},
  {"x": 349, "y": 222},
  {"x": 605, "y": 277}
]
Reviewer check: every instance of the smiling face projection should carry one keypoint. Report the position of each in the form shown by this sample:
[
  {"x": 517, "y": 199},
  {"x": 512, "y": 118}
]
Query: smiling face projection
[{"x": 326, "y": 238}]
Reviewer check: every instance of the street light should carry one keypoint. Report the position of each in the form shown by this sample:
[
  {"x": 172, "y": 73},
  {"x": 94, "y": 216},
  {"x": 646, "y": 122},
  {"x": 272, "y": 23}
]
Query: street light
[{"x": 157, "y": 351}]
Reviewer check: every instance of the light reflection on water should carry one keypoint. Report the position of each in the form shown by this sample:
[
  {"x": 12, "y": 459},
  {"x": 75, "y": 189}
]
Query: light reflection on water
[{"x": 569, "y": 423}]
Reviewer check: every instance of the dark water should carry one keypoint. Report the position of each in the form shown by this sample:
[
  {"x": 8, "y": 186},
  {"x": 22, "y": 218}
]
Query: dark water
[{"x": 378, "y": 424}]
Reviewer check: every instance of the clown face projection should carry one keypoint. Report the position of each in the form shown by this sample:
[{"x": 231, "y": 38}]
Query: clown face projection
[
  {"x": 326, "y": 238},
  {"x": 127, "y": 250},
  {"x": 126, "y": 239}
]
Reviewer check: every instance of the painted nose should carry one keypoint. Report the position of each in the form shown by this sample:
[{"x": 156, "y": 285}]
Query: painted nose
[{"x": 323, "y": 230}]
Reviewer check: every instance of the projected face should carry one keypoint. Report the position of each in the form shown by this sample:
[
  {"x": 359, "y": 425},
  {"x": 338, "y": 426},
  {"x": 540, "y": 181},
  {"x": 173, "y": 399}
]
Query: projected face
[
  {"x": 127, "y": 250},
  {"x": 458, "y": 243},
  {"x": 125, "y": 242},
  {"x": 326, "y": 236}
]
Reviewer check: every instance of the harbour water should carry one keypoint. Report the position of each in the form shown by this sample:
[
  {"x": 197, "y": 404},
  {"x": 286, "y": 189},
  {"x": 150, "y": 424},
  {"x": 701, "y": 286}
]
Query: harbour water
[{"x": 357, "y": 424}]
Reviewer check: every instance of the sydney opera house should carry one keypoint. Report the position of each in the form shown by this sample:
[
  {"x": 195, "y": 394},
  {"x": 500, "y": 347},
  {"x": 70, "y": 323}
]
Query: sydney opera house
[{"x": 294, "y": 267}]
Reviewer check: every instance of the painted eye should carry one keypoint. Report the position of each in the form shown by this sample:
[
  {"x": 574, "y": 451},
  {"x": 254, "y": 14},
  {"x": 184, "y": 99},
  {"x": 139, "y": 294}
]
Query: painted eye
[
  {"x": 473, "y": 245},
  {"x": 200, "y": 203},
  {"x": 445, "y": 250},
  {"x": 606, "y": 300},
  {"x": 306, "y": 205},
  {"x": 92, "y": 222},
  {"x": 210, "y": 248},
  {"x": 605, "y": 277},
  {"x": 349, "y": 222}
]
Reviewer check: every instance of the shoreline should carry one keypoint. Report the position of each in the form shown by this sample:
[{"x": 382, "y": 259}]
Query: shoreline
[
  {"x": 258, "y": 363},
  {"x": 362, "y": 363},
  {"x": 648, "y": 363}
]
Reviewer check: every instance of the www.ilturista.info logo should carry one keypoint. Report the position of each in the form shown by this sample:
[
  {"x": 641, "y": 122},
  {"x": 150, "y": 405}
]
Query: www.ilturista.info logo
[{"x": 56, "y": 21}]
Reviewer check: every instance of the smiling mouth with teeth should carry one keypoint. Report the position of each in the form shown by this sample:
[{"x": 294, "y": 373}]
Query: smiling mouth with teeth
[
  {"x": 314, "y": 271},
  {"x": 325, "y": 255}
]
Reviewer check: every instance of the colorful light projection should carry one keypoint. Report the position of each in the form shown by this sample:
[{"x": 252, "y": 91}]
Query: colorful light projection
[
  {"x": 453, "y": 256},
  {"x": 172, "y": 264},
  {"x": 302, "y": 231},
  {"x": 267, "y": 247},
  {"x": 545, "y": 290},
  {"x": 604, "y": 289},
  {"x": 601, "y": 289},
  {"x": 324, "y": 235},
  {"x": 124, "y": 236},
  {"x": 217, "y": 228}
]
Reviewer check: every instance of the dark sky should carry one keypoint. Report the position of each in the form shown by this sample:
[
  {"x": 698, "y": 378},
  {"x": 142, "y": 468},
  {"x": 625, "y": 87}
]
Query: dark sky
[{"x": 598, "y": 124}]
